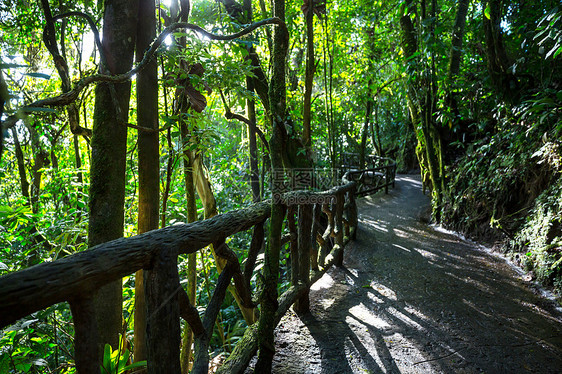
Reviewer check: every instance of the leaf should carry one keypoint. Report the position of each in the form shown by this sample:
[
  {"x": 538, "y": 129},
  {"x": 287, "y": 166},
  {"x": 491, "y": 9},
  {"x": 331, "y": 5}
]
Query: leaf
[
  {"x": 138, "y": 364},
  {"x": 106, "y": 367},
  {"x": 487, "y": 11},
  {"x": 28, "y": 322},
  {"x": 40, "y": 362},
  {"x": 123, "y": 360},
  {"x": 3, "y": 266},
  {"x": 197, "y": 69},
  {"x": 39, "y": 109},
  {"x": 197, "y": 100},
  {"x": 39, "y": 75},
  {"x": 7, "y": 66}
]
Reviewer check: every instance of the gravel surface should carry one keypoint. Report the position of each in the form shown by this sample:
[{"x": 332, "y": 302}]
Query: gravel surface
[{"x": 412, "y": 299}]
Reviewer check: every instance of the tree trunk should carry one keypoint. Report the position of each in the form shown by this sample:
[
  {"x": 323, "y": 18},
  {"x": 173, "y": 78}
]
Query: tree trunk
[
  {"x": 455, "y": 62},
  {"x": 364, "y": 132},
  {"x": 277, "y": 97},
  {"x": 327, "y": 100},
  {"x": 254, "y": 168},
  {"x": 77, "y": 160},
  {"x": 183, "y": 107},
  {"x": 149, "y": 159},
  {"x": 40, "y": 160},
  {"x": 377, "y": 133},
  {"x": 21, "y": 166},
  {"x": 188, "y": 169},
  {"x": 205, "y": 192},
  {"x": 251, "y": 113},
  {"x": 498, "y": 61},
  {"x": 309, "y": 77},
  {"x": 109, "y": 147},
  {"x": 421, "y": 103},
  {"x": 457, "y": 39}
]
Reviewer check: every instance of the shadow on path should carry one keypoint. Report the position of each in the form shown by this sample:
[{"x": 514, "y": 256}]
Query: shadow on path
[{"x": 411, "y": 299}]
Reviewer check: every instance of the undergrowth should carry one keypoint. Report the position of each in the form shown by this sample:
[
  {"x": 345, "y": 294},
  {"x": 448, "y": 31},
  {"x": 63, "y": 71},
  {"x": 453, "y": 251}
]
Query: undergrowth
[{"x": 507, "y": 190}]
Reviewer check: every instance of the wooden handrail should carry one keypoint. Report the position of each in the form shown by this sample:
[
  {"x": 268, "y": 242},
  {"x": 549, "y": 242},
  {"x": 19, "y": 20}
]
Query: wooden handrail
[
  {"x": 381, "y": 174},
  {"x": 314, "y": 248},
  {"x": 37, "y": 287}
]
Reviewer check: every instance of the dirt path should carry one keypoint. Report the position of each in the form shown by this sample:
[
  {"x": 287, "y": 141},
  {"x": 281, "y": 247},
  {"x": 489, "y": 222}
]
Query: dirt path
[{"x": 410, "y": 299}]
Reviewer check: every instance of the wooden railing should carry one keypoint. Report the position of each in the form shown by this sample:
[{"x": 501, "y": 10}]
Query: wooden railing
[
  {"x": 319, "y": 225},
  {"x": 379, "y": 173}
]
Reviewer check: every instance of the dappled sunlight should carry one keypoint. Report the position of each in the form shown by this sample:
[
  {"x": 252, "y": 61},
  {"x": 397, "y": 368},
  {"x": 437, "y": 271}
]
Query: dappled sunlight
[
  {"x": 482, "y": 287},
  {"x": 427, "y": 254},
  {"x": 354, "y": 273},
  {"x": 413, "y": 299},
  {"x": 403, "y": 317},
  {"x": 325, "y": 282},
  {"x": 374, "y": 298},
  {"x": 476, "y": 309},
  {"x": 409, "y": 180},
  {"x": 365, "y": 316},
  {"x": 377, "y": 225},
  {"x": 401, "y": 233},
  {"x": 401, "y": 247},
  {"x": 355, "y": 355},
  {"x": 384, "y": 291}
]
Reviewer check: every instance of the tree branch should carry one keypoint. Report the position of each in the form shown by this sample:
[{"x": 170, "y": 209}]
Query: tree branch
[
  {"x": 69, "y": 97},
  {"x": 228, "y": 114}
]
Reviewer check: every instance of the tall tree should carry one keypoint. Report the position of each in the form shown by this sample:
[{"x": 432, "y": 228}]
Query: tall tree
[
  {"x": 308, "y": 10},
  {"x": 503, "y": 79},
  {"x": 284, "y": 146},
  {"x": 148, "y": 154},
  {"x": 109, "y": 147},
  {"x": 422, "y": 95}
]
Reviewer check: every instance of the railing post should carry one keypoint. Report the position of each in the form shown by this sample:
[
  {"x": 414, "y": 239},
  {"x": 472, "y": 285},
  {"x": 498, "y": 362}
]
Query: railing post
[
  {"x": 302, "y": 305},
  {"x": 87, "y": 354},
  {"x": 293, "y": 243},
  {"x": 353, "y": 217},
  {"x": 162, "y": 314},
  {"x": 327, "y": 234},
  {"x": 340, "y": 200},
  {"x": 387, "y": 177},
  {"x": 313, "y": 234}
]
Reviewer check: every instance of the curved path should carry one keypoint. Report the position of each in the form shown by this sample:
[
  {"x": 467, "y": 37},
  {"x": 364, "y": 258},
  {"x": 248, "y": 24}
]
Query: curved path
[{"x": 410, "y": 299}]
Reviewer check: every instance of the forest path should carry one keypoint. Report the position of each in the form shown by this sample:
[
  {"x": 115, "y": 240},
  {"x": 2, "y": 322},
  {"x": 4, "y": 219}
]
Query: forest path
[{"x": 411, "y": 299}]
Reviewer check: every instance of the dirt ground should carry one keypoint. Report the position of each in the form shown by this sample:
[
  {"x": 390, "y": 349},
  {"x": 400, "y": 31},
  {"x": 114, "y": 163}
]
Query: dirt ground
[{"x": 412, "y": 299}]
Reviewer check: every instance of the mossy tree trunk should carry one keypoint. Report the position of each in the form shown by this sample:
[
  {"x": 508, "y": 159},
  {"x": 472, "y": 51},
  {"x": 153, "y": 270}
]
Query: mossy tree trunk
[
  {"x": 109, "y": 147},
  {"x": 285, "y": 146},
  {"x": 277, "y": 98},
  {"x": 421, "y": 98}
]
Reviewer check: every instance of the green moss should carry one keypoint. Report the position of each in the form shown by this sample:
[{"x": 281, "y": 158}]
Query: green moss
[{"x": 540, "y": 238}]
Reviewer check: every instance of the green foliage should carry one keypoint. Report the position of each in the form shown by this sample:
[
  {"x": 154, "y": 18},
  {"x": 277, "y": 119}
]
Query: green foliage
[
  {"x": 508, "y": 185},
  {"x": 28, "y": 346},
  {"x": 115, "y": 361},
  {"x": 540, "y": 237},
  {"x": 503, "y": 158},
  {"x": 549, "y": 35}
]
